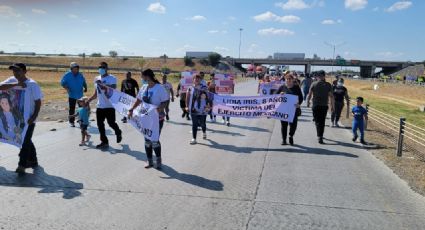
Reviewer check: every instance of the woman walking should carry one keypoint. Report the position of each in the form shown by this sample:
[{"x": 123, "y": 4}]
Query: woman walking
[
  {"x": 199, "y": 106},
  {"x": 291, "y": 88},
  {"x": 154, "y": 94}
]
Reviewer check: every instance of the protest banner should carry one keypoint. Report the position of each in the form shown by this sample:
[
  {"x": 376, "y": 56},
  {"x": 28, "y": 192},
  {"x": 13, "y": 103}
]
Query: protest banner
[
  {"x": 186, "y": 81},
  {"x": 265, "y": 88},
  {"x": 14, "y": 112},
  {"x": 279, "y": 106},
  {"x": 145, "y": 117},
  {"x": 224, "y": 83}
]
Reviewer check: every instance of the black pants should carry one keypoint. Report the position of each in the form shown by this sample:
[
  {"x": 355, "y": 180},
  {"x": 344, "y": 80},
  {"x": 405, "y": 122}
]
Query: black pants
[
  {"x": 28, "y": 153},
  {"x": 292, "y": 128},
  {"x": 72, "y": 102},
  {"x": 109, "y": 115},
  {"x": 198, "y": 120},
  {"x": 319, "y": 114},
  {"x": 167, "y": 107},
  {"x": 337, "y": 112},
  {"x": 154, "y": 146}
]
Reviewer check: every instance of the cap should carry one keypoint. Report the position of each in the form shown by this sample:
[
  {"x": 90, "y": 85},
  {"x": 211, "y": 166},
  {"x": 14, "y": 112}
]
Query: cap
[
  {"x": 73, "y": 65},
  {"x": 84, "y": 98},
  {"x": 21, "y": 66},
  {"x": 103, "y": 65}
]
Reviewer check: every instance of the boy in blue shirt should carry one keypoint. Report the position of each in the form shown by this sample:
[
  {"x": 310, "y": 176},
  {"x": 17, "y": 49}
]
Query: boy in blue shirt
[
  {"x": 360, "y": 115},
  {"x": 83, "y": 113}
]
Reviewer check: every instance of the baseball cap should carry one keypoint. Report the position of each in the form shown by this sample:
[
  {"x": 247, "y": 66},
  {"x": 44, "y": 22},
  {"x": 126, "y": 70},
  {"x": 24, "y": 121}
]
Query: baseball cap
[
  {"x": 103, "y": 65},
  {"x": 73, "y": 65},
  {"x": 21, "y": 66}
]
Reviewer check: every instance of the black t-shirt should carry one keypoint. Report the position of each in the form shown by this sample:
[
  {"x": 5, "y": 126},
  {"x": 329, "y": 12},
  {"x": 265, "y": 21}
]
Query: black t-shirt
[
  {"x": 129, "y": 87},
  {"x": 321, "y": 90},
  {"x": 339, "y": 93}
]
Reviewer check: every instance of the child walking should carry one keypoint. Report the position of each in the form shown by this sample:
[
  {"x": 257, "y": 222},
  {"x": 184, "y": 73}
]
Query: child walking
[
  {"x": 83, "y": 113},
  {"x": 360, "y": 116}
]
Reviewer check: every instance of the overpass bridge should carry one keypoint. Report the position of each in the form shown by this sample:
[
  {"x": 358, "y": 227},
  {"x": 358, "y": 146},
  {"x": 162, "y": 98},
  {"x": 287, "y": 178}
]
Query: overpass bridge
[{"x": 367, "y": 67}]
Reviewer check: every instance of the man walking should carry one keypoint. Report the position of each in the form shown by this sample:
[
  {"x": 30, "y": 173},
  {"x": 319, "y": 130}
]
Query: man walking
[
  {"x": 129, "y": 86},
  {"x": 105, "y": 110},
  {"x": 321, "y": 91},
  {"x": 74, "y": 83},
  {"x": 28, "y": 153}
]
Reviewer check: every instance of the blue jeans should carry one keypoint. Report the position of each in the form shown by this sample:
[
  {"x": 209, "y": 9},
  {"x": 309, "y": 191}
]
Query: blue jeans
[{"x": 358, "y": 124}]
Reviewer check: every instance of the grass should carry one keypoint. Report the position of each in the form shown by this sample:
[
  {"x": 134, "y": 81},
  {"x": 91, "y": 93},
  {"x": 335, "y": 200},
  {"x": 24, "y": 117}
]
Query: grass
[{"x": 393, "y": 99}]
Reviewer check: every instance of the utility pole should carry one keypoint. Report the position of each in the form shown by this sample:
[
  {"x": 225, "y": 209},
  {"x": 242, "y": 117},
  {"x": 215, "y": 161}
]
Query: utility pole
[
  {"x": 240, "y": 41},
  {"x": 333, "y": 46}
]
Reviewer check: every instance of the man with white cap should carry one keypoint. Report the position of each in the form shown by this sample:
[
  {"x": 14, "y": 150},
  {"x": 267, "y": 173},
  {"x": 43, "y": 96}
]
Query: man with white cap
[{"x": 74, "y": 83}]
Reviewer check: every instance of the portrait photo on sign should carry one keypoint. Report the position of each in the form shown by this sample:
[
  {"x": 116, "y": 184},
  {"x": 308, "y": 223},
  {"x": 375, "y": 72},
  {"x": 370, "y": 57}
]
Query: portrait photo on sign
[{"x": 12, "y": 117}]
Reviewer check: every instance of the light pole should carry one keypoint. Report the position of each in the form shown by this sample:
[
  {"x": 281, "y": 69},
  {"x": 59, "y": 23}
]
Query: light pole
[
  {"x": 333, "y": 46},
  {"x": 240, "y": 41}
]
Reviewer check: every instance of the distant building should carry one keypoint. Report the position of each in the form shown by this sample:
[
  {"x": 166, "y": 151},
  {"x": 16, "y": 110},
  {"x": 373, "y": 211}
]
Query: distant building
[
  {"x": 198, "y": 54},
  {"x": 289, "y": 56},
  {"x": 24, "y": 53}
]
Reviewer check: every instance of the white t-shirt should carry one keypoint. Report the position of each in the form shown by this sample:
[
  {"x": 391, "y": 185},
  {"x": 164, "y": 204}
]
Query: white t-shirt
[
  {"x": 33, "y": 88},
  {"x": 102, "y": 99},
  {"x": 168, "y": 86},
  {"x": 155, "y": 95}
]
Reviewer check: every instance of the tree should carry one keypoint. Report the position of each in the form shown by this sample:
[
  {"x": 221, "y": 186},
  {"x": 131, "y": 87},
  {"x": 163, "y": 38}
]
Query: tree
[
  {"x": 1, "y": 52},
  {"x": 188, "y": 61},
  {"x": 204, "y": 62},
  {"x": 96, "y": 55},
  {"x": 113, "y": 53},
  {"x": 165, "y": 70},
  {"x": 62, "y": 55},
  {"x": 214, "y": 58}
]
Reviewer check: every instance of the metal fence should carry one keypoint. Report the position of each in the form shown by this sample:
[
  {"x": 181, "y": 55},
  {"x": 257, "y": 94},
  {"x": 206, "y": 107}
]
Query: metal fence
[{"x": 406, "y": 135}]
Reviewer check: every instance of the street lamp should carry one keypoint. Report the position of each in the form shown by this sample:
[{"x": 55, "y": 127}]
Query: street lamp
[
  {"x": 333, "y": 55},
  {"x": 240, "y": 41}
]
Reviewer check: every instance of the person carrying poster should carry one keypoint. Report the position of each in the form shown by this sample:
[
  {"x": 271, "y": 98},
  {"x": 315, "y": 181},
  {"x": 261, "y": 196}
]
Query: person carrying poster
[
  {"x": 105, "y": 110},
  {"x": 154, "y": 94},
  {"x": 265, "y": 86},
  {"x": 199, "y": 106},
  {"x": 185, "y": 82},
  {"x": 225, "y": 85},
  {"x": 33, "y": 95},
  {"x": 290, "y": 88}
]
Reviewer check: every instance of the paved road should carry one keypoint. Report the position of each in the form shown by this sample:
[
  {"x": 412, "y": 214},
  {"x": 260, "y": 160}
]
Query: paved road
[{"x": 240, "y": 178}]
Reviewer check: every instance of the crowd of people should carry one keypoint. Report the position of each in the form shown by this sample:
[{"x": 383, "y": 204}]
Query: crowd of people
[{"x": 196, "y": 104}]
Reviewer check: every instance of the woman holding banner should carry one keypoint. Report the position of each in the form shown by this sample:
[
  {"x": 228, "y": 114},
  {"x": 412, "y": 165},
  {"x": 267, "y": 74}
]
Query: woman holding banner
[
  {"x": 154, "y": 94},
  {"x": 290, "y": 87},
  {"x": 198, "y": 105}
]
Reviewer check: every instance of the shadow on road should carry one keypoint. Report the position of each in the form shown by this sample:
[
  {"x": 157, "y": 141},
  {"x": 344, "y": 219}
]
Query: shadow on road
[
  {"x": 40, "y": 179},
  {"x": 225, "y": 132},
  {"x": 299, "y": 149},
  {"x": 192, "y": 179}
]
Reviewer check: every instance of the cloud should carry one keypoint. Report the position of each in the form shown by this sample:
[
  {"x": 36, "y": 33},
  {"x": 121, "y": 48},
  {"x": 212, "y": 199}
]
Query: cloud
[
  {"x": 176, "y": 24},
  {"x": 185, "y": 48},
  {"x": 389, "y": 54},
  {"x": 252, "y": 48},
  {"x": 231, "y": 18},
  {"x": 293, "y": 5},
  {"x": 73, "y": 16},
  {"x": 355, "y": 4},
  {"x": 269, "y": 16},
  {"x": 331, "y": 22},
  {"x": 39, "y": 11},
  {"x": 401, "y": 5},
  {"x": 223, "y": 49},
  {"x": 273, "y": 31},
  {"x": 197, "y": 18},
  {"x": 376, "y": 9},
  {"x": 156, "y": 8},
  {"x": 213, "y": 31},
  {"x": 104, "y": 30},
  {"x": 153, "y": 39},
  {"x": 24, "y": 28},
  {"x": 8, "y": 12}
]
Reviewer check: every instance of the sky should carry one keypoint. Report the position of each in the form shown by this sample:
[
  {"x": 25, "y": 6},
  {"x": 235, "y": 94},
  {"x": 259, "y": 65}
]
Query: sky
[{"x": 360, "y": 29}]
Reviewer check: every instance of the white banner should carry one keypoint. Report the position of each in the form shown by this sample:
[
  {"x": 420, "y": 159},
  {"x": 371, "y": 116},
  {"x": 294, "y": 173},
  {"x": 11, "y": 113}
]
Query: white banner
[
  {"x": 14, "y": 113},
  {"x": 279, "y": 106},
  {"x": 145, "y": 117}
]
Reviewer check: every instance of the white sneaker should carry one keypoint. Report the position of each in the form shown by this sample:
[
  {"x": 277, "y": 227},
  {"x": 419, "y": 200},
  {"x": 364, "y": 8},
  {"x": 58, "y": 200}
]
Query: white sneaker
[
  {"x": 204, "y": 136},
  {"x": 224, "y": 122},
  {"x": 228, "y": 123},
  {"x": 193, "y": 141}
]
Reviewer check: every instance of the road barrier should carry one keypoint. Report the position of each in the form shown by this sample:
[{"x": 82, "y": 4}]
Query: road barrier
[{"x": 406, "y": 135}]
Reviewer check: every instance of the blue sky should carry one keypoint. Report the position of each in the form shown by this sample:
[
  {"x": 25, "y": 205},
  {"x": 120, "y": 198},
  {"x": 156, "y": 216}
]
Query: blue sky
[{"x": 367, "y": 29}]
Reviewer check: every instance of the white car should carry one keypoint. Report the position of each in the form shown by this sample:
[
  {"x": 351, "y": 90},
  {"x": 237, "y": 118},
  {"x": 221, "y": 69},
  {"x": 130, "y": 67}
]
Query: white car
[{"x": 356, "y": 77}]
